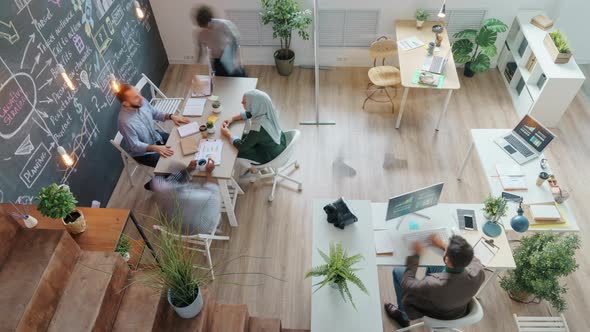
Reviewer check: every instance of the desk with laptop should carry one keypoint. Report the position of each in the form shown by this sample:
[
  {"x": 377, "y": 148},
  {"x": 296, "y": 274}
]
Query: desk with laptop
[{"x": 520, "y": 149}]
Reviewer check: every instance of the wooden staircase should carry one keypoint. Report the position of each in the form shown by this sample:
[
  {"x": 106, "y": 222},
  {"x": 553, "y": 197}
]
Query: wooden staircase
[{"x": 47, "y": 283}]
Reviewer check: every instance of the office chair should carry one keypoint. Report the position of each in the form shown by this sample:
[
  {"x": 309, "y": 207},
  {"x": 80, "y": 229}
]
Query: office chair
[
  {"x": 382, "y": 77},
  {"x": 277, "y": 168},
  {"x": 474, "y": 316},
  {"x": 541, "y": 324}
]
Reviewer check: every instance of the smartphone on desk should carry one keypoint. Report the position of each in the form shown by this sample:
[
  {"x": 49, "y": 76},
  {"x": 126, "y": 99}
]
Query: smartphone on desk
[{"x": 468, "y": 222}]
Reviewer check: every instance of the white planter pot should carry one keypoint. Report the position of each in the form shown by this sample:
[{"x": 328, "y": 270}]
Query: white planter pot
[
  {"x": 126, "y": 257},
  {"x": 217, "y": 110},
  {"x": 419, "y": 24},
  {"x": 190, "y": 310},
  {"x": 30, "y": 221},
  {"x": 211, "y": 130}
]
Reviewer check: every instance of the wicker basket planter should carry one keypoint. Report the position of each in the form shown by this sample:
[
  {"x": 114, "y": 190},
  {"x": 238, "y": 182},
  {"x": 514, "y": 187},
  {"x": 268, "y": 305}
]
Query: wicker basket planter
[
  {"x": 554, "y": 53},
  {"x": 78, "y": 226}
]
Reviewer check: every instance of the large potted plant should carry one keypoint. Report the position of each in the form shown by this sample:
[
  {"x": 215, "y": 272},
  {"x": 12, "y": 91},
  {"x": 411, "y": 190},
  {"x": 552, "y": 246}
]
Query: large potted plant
[
  {"x": 476, "y": 48},
  {"x": 541, "y": 260},
  {"x": 285, "y": 17},
  {"x": 58, "y": 202},
  {"x": 338, "y": 271}
]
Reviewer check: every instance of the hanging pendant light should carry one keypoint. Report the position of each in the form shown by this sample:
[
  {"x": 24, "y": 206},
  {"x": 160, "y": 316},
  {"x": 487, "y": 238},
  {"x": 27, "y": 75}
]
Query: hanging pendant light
[
  {"x": 65, "y": 157},
  {"x": 138, "y": 10},
  {"x": 65, "y": 77}
]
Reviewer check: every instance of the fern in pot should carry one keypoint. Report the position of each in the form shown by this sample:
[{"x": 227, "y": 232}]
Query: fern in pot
[
  {"x": 338, "y": 271},
  {"x": 541, "y": 260},
  {"x": 58, "y": 202}
]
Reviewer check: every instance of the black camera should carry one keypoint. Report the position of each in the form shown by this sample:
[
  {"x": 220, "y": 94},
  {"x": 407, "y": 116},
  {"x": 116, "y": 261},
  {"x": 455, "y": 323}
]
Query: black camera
[{"x": 340, "y": 214}]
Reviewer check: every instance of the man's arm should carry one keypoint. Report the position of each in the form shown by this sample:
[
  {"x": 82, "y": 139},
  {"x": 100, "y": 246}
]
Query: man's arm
[
  {"x": 409, "y": 281},
  {"x": 136, "y": 147}
]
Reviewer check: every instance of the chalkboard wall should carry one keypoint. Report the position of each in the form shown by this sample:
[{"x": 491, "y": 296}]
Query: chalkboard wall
[{"x": 90, "y": 39}]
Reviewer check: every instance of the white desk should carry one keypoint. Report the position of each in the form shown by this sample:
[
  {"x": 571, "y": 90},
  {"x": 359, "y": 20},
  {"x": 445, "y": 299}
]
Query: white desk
[
  {"x": 490, "y": 154},
  {"x": 329, "y": 312},
  {"x": 442, "y": 215}
]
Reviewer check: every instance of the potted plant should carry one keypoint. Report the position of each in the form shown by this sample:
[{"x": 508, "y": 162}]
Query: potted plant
[
  {"x": 541, "y": 260},
  {"x": 558, "y": 47},
  {"x": 338, "y": 271},
  {"x": 285, "y": 17},
  {"x": 421, "y": 16},
  {"x": 475, "y": 48},
  {"x": 124, "y": 248},
  {"x": 216, "y": 106},
  {"x": 494, "y": 207},
  {"x": 58, "y": 202},
  {"x": 211, "y": 127}
]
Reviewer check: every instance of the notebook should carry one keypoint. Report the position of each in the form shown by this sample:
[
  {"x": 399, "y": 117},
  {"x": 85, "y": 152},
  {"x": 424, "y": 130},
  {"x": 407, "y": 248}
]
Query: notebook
[
  {"x": 544, "y": 212},
  {"x": 194, "y": 107},
  {"x": 189, "y": 145},
  {"x": 188, "y": 129},
  {"x": 509, "y": 170},
  {"x": 383, "y": 242},
  {"x": 511, "y": 177}
]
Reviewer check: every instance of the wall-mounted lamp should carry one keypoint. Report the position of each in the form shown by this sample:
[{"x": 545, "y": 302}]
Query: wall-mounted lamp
[
  {"x": 138, "y": 11},
  {"x": 115, "y": 86},
  {"x": 442, "y": 13},
  {"x": 65, "y": 77},
  {"x": 68, "y": 161}
]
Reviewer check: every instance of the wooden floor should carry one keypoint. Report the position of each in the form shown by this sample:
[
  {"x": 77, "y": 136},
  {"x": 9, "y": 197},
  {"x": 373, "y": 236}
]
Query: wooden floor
[{"x": 365, "y": 157}]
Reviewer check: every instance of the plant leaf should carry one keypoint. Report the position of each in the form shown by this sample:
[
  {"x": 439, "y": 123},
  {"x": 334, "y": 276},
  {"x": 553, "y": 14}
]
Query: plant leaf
[
  {"x": 462, "y": 49},
  {"x": 486, "y": 37},
  {"x": 481, "y": 63},
  {"x": 466, "y": 34},
  {"x": 490, "y": 51},
  {"x": 495, "y": 25}
]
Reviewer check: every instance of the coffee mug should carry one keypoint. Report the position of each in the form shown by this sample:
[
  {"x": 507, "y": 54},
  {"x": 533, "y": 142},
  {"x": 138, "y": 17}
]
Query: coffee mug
[{"x": 202, "y": 165}]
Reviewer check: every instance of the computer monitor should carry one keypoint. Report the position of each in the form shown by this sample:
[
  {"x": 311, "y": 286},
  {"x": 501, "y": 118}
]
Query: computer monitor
[
  {"x": 532, "y": 132},
  {"x": 413, "y": 201}
]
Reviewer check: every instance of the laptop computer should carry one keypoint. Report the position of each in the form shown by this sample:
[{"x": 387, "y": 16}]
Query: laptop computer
[
  {"x": 436, "y": 64},
  {"x": 526, "y": 141}
]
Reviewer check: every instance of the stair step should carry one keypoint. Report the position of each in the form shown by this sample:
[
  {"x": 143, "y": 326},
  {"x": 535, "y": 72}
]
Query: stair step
[
  {"x": 258, "y": 324},
  {"x": 230, "y": 317},
  {"x": 33, "y": 278},
  {"x": 168, "y": 320},
  {"x": 93, "y": 294},
  {"x": 294, "y": 330},
  {"x": 138, "y": 308},
  {"x": 8, "y": 231}
]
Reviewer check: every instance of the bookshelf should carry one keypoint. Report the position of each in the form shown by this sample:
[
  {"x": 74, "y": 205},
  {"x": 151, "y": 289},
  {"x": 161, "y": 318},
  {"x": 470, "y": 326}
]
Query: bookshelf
[{"x": 538, "y": 86}]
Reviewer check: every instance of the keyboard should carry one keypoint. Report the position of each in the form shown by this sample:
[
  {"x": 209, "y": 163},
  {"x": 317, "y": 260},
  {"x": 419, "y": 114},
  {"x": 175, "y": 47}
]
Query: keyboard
[
  {"x": 423, "y": 236},
  {"x": 518, "y": 146}
]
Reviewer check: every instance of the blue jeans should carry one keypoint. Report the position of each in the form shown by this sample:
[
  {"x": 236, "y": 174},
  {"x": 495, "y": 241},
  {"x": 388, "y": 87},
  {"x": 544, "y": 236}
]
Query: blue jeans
[{"x": 398, "y": 276}]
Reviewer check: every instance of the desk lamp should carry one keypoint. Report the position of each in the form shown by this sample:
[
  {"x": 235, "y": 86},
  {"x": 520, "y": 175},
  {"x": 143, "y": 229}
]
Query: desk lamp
[
  {"x": 519, "y": 222},
  {"x": 492, "y": 228}
]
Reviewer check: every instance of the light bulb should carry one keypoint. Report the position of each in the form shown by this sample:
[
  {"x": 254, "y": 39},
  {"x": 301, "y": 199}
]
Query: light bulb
[
  {"x": 68, "y": 161},
  {"x": 65, "y": 77},
  {"x": 114, "y": 83},
  {"x": 138, "y": 10}
]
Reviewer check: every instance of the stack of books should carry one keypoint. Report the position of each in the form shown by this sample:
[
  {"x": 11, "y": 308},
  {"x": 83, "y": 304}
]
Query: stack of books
[{"x": 542, "y": 22}]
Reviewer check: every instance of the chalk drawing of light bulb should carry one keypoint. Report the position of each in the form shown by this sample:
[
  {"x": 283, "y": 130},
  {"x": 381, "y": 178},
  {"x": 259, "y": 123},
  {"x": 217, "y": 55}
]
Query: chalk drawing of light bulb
[{"x": 84, "y": 79}]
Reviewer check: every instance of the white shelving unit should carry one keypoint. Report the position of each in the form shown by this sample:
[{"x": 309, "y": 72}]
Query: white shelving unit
[{"x": 538, "y": 86}]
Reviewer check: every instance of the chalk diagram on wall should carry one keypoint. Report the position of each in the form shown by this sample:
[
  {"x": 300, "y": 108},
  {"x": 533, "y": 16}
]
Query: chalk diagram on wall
[{"x": 38, "y": 112}]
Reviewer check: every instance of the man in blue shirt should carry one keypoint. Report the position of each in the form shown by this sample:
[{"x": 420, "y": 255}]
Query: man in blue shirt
[{"x": 145, "y": 144}]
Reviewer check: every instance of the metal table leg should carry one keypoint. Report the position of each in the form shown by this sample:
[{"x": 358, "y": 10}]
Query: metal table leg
[
  {"x": 462, "y": 169},
  {"x": 402, "y": 108}
]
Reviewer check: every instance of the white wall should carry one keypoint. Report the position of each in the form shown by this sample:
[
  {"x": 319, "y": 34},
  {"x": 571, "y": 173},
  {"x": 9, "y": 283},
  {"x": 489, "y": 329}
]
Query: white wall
[
  {"x": 572, "y": 16},
  {"x": 177, "y": 29}
]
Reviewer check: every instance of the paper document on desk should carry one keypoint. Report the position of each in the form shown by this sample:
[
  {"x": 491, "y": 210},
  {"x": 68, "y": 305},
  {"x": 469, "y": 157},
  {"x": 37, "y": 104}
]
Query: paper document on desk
[
  {"x": 188, "y": 129},
  {"x": 210, "y": 148},
  {"x": 513, "y": 183},
  {"x": 484, "y": 251},
  {"x": 194, "y": 107},
  {"x": 509, "y": 170},
  {"x": 410, "y": 43},
  {"x": 202, "y": 86},
  {"x": 383, "y": 242}
]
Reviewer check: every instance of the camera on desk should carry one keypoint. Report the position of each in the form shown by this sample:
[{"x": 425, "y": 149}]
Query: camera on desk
[{"x": 340, "y": 214}]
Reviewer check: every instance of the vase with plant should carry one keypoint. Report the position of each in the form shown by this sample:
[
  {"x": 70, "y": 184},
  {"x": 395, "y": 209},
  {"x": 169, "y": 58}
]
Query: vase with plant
[
  {"x": 285, "y": 17},
  {"x": 124, "y": 247},
  {"x": 541, "y": 260},
  {"x": 421, "y": 16},
  {"x": 216, "y": 105},
  {"x": 58, "y": 202},
  {"x": 338, "y": 271},
  {"x": 558, "y": 47},
  {"x": 494, "y": 208},
  {"x": 211, "y": 127},
  {"x": 476, "y": 48}
]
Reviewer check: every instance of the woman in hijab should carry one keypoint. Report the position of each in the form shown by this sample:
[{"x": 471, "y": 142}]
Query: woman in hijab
[{"x": 263, "y": 138}]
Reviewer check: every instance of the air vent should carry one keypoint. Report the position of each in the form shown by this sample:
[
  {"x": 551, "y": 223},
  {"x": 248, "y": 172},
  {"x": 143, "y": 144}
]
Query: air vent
[
  {"x": 252, "y": 31},
  {"x": 347, "y": 27}
]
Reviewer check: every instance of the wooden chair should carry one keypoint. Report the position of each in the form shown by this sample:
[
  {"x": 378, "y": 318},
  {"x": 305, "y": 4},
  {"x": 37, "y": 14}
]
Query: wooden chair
[
  {"x": 195, "y": 242},
  {"x": 541, "y": 324},
  {"x": 382, "y": 77},
  {"x": 158, "y": 99}
]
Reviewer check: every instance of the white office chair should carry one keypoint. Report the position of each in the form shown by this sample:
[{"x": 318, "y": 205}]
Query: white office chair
[
  {"x": 128, "y": 161},
  {"x": 158, "y": 98},
  {"x": 277, "y": 167},
  {"x": 193, "y": 242},
  {"x": 474, "y": 316},
  {"x": 541, "y": 324}
]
